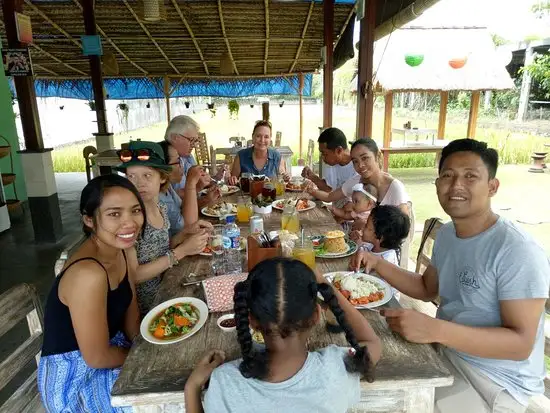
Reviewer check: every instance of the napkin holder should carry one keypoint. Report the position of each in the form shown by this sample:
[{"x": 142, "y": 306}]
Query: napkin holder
[{"x": 257, "y": 254}]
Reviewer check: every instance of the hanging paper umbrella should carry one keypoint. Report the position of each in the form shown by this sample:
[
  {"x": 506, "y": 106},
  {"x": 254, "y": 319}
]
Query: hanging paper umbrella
[
  {"x": 458, "y": 62},
  {"x": 414, "y": 59}
]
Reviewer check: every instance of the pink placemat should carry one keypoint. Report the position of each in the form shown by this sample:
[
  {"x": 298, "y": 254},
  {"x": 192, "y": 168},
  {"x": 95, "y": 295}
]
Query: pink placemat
[{"x": 219, "y": 291}]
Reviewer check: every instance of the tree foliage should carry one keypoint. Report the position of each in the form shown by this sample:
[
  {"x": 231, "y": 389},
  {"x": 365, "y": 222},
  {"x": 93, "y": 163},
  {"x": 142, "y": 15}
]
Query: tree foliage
[{"x": 540, "y": 71}]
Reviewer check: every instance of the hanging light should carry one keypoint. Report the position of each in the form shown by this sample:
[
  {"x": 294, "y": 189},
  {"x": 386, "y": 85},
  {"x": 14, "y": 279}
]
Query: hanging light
[
  {"x": 414, "y": 60},
  {"x": 458, "y": 62}
]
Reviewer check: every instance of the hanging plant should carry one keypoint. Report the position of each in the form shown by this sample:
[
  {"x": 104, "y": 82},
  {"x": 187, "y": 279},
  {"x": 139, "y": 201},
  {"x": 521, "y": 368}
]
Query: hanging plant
[
  {"x": 252, "y": 105},
  {"x": 91, "y": 104},
  {"x": 414, "y": 60},
  {"x": 458, "y": 63},
  {"x": 210, "y": 106},
  {"x": 233, "y": 107},
  {"x": 148, "y": 105},
  {"x": 213, "y": 111},
  {"x": 123, "y": 114},
  {"x": 187, "y": 103},
  {"x": 281, "y": 104},
  {"x": 61, "y": 107}
]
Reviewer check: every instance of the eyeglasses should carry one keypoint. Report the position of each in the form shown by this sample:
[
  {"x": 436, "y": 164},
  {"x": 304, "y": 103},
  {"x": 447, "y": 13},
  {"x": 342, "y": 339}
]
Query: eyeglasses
[
  {"x": 126, "y": 155},
  {"x": 191, "y": 141}
]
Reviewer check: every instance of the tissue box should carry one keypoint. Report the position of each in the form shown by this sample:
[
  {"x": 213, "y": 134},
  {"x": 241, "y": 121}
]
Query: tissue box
[{"x": 219, "y": 291}]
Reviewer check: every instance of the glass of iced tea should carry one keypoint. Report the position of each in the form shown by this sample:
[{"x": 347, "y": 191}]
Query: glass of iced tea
[
  {"x": 245, "y": 182},
  {"x": 303, "y": 251},
  {"x": 256, "y": 188},
  {"x": 268, "y": 191}
]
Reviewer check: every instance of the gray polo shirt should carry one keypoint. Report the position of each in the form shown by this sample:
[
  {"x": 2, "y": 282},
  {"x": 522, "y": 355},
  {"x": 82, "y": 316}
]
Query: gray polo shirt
[{"x": 475, "y": 274}]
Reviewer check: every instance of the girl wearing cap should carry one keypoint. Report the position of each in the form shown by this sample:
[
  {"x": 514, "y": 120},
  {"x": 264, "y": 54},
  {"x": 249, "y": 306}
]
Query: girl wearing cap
[
  {"x": 259, "y": 159},
  {"x": 155, "y": 252}
]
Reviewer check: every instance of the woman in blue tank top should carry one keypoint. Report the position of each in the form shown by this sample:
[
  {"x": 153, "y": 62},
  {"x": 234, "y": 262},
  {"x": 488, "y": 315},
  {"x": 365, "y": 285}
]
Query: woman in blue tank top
[
  {"x": 259, "y": 159},
  {"x": 91, "y": 311}
]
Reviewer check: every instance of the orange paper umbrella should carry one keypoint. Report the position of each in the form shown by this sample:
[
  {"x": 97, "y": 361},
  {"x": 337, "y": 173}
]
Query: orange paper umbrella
[{"x": 458, "y": 63}]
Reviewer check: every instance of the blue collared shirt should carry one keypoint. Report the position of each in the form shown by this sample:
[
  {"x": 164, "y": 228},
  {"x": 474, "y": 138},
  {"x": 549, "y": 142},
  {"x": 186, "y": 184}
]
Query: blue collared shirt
[
  {"x": 271, "y": 168},
  {"x": 186, "y": 162},
  {"x": 173, "y": 204}
]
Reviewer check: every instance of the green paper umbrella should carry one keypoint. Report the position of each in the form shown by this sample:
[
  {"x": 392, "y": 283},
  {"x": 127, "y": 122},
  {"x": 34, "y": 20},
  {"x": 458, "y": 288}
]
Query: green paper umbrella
[{"x": 414, "y": 59}]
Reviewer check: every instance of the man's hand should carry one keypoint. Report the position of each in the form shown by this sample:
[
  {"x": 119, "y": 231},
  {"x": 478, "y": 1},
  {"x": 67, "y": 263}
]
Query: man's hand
[
  {"x": 411, "y": 324},
  {"x": 308, "y": 173},
  {"x": 194, "y": 175},
  {"x": 192, "y": 245},
  {"x": 310, "y": 187},
  {"x": 213, "y": 194},
  {"x": 355, "y": 235},
  {"x": 204, "y": 368},
  {"x": 198, "y": 227},
  {"x": 221, "y": 173},
  {"x": 364, "y": 259}
]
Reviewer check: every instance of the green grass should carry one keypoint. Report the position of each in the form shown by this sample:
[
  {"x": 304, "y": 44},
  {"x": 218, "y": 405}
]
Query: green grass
[{"x": 514, "y": 147}]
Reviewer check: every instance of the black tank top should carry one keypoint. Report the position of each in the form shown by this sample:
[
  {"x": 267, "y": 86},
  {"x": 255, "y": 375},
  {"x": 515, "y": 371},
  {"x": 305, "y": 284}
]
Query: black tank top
[{"x": 59, "y": 334}]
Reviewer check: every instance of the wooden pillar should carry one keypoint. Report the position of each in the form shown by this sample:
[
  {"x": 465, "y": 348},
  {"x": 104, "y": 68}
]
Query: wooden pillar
[
  {"x": 167, "y": 98},
  {"x": 388, "y": 111},
  {"x": 442, "y": 114},
  {"x": 24, "y": 85},
  {"x": 95, "y": 68},
  {"x": 472, "y": 119},
  {"x": 328, "y": 16},
  {"x": 301, "y": 113},
  {"x": 365, "y": 88},
  {"x": 265, "y": 111}
]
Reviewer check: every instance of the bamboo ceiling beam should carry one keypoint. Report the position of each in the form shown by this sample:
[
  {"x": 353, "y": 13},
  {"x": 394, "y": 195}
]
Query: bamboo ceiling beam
[
  {"x": 306, "y": 24},
  {"x": 343, "y": 29},
  {"x": 54, "y": 24},
  {"x": 112, "y": 43},
  {"x": 220, "y": 12},
  {"x": 196, "y": 61},
  {"x": 266, "y": 7},
  {"x": 256, "y": 39},
  {"x": 190, "y": 31},
  {"x": 148, "y": 33},
  {"x": 74, "y": 69},
  {"x": 45, "y": 69},
  {"x": 173, "y": 76}
]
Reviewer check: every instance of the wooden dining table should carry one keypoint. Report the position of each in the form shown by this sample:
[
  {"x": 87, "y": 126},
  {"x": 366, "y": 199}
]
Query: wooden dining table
[{"x": 153, "y": 377}]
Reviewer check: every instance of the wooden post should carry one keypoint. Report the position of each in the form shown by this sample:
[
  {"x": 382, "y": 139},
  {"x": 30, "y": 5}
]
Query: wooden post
[
  {"x": 328, "y": 17},
  {"x": 365, "y": 88},
  {"x": 265, "y": 111},
  {"x": 167, "y": 98},
  {"x": 24, "y": 85},
  {"x": 472, "y": 119},
  {"x": 96, "y": 73},
  {"x": 301, "y": 112},
  {"x": 442, "y": 114},
  {"x": 388, "y": 100}
]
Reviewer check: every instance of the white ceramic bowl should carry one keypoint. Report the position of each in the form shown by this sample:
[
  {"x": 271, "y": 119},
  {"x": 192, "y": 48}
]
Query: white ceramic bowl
[
  {"x": 199, "y": 305},
  {"x": 226, "y": 317},
  {"x": 263, "y": 210}
]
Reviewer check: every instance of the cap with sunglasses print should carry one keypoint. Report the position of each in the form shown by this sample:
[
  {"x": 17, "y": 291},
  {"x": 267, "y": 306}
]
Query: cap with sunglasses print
[{"x": 142, "y": 153}]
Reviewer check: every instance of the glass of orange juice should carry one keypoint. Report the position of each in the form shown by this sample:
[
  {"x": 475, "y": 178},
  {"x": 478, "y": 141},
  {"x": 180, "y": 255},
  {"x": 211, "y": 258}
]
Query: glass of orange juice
[
  {"x": 244, "y": 209},
  {"x": 290, "y": 219},
  {"x": 303, "y": 251}
]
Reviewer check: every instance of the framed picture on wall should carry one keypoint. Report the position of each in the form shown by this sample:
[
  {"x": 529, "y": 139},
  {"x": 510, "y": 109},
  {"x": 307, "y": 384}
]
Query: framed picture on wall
[{"x": 17, "y": 62}]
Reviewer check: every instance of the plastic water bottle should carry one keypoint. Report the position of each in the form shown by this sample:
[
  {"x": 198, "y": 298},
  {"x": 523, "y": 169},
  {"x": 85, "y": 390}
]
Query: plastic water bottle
[{"x": 232, "y": 246}]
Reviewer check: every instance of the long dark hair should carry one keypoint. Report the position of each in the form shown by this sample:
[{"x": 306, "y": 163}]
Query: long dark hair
[
  {"x": 92, "y": 196},
  {"x": 281, "y": 294}
]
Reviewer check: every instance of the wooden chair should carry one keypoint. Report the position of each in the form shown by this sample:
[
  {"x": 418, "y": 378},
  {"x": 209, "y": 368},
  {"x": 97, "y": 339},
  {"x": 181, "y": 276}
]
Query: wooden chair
[
  {"x": 278, "y": 138},
  {"x": 86, "y": 152},
  {"x": 18, "y": 303},
  {"x": 423, "y": 259},
  {"x": 201, "y": 151}
]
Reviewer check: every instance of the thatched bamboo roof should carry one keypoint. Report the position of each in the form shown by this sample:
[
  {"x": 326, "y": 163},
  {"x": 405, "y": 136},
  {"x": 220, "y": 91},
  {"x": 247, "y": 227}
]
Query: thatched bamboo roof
[
  {"x": 483, "y": 69},
  {"x": 256, "y": 38}
]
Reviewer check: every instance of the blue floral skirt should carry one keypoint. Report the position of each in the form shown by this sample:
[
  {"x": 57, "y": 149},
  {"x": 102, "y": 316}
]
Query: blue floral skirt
[{"x": 67, "y": 384}]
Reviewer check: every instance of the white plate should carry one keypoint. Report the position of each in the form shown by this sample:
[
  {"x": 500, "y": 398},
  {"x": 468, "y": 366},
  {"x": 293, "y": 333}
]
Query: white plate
[
  {"x": 310, "y": 205},
  {"x": 232, "y": 190},
  {"x": 199, "y": 305},
  {"x": 203, "y": 211},
  {"x": 388, "y": 292},
  {"x": 352, "y": 248}
]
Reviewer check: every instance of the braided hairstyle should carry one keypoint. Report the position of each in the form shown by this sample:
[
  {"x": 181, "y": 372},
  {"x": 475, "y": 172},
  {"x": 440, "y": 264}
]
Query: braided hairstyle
[{"x": 281, "y": 294}]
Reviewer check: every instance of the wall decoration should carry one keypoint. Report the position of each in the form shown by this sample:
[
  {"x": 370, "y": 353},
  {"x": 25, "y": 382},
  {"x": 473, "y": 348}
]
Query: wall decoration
[
  {"x": 24, "y": 28},
  {"x": 91, "y": 45},
  {"x": 17, "y": 62}
]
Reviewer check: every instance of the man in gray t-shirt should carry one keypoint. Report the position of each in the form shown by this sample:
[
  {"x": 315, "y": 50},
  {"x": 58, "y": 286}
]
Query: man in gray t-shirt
[{"x": 493, "y": 281}]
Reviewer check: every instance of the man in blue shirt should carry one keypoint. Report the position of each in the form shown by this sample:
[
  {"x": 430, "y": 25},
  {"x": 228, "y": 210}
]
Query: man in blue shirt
[{"x": 492, "y": 278}]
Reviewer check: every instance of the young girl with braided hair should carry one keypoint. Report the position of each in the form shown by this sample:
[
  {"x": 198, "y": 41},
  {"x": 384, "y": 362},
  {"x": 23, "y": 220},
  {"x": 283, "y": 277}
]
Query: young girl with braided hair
[{"x": 279, "y": 299}]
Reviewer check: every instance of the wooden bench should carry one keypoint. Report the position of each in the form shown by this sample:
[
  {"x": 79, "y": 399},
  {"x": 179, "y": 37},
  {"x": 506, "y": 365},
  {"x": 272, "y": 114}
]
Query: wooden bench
[
  {"x": 537, "y": 404},
  {"x": 18, "y": 303}
]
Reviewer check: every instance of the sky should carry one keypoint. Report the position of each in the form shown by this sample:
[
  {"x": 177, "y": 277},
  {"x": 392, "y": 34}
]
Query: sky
[{"x": 510, "y": 19}]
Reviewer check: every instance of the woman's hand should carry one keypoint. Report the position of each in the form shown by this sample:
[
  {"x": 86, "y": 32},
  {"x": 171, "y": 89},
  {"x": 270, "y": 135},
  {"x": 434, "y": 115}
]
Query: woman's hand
[
  {"x": 232, "y": 180},
  {"x": 213, "y": 194},
  {"x": 310, "y": 187},
  {"x": 194, "y": 175},
  {"x": 192, "y": 245},
  {"x": 355, "y": 235},
  {"x": 307, "y": 173},
  {"x": 364, "y": 259},
  {"x": 197, "y": 227},
  {"x": 204, "y": 368},
  {"x": 286, "y": 177}
]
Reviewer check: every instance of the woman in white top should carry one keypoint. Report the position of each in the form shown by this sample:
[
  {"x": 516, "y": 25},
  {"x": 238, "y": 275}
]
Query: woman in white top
[{"x": 365, "y": 157}]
